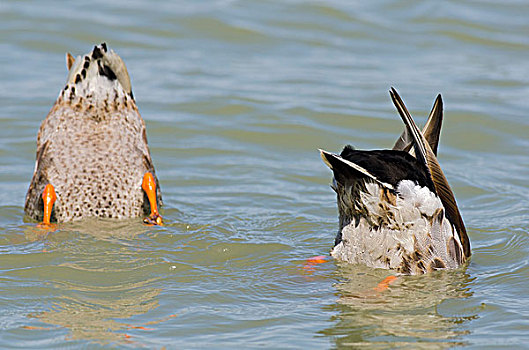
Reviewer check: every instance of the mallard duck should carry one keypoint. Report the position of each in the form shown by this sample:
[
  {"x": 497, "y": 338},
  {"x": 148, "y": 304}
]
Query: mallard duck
[
  {"x": 92, "y": 154},
  {"x": 396, "y": 208}
]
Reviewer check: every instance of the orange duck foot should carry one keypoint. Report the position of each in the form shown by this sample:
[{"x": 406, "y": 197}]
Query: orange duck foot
[
  {"x": 153, "y": 220},
  {"x": 149, "y": 186},
  {"x": 382, "y": 286},
  {"x": 49, "y": 197}
]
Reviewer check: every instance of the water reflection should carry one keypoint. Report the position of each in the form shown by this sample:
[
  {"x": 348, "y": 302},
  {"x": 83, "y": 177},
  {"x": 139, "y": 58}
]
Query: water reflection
[
  {"x": 95, "y": 317},
  {"x": 103, "y": 276},
  {"x": 413, "y": 310},
  {"x": 96, "y": 227}
]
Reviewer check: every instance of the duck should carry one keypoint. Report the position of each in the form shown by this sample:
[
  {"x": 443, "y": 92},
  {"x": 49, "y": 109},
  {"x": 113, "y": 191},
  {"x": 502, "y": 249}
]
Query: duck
[
  {"x": 92, "y": 158},
  {"x": 396, "y": 208}
]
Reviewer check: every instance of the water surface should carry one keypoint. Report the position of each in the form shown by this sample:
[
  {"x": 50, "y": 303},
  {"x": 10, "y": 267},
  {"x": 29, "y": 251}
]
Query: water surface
[{"x": 237, "y": 97}]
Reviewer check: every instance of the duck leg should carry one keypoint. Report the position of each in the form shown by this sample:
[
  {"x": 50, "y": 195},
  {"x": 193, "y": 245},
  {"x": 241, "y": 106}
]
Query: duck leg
[
  {"x": 382, "y": 286},
  {"x": 49, "y": 197},
  {"x": 149, "y": 186}
]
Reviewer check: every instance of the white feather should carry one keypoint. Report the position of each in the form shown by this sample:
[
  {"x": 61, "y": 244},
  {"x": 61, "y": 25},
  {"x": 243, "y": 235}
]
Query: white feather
[{"x": 411, "y": 227}]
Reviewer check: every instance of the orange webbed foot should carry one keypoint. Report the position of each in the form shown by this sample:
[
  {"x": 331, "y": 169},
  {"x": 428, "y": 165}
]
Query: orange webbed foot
[
  {"x": 310, "y": 263},
  {"x": 153, "y": 220},
  {"x": 149, "y": 186},
  {"x": 49, "y": 197},
  {"x": 382, "y": 286},
  {"x": 47, "y": 227}
]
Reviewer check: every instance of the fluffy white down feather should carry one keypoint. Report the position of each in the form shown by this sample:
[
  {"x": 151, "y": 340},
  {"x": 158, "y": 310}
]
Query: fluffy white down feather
[
  {"x": 412, "y": 196},
  {"x": 410, "y": 229}
]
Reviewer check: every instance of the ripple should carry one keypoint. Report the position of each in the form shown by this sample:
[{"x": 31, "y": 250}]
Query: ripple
[{"x": 237, "y": 98}]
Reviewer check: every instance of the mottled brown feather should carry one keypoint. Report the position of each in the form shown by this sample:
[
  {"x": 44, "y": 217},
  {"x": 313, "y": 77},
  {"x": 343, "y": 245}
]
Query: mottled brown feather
[{"x": 92, "y": 146}]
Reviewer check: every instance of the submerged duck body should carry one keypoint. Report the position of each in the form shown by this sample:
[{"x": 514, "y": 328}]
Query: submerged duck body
[
  {"x": 396, "y": 208},
  {"x": 92, "y": 147}
]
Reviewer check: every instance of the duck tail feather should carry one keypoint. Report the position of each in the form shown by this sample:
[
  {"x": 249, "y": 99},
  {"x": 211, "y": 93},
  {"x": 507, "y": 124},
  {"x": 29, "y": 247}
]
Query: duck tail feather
[
  {"x": 425, "y": 154},
  {"x": 100, "y": 62},
  {"x": 431, "y": 130},
  {"x": 344, "y": 169}
]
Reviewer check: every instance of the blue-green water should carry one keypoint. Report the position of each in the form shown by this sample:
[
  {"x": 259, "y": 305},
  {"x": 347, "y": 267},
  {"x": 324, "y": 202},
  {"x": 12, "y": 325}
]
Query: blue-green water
[{"x": 237, "y": 97}]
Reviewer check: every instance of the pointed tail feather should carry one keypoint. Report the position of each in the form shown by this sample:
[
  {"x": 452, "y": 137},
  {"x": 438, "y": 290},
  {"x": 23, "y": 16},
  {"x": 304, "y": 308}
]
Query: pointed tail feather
[
  {"x": 69, "y": 60},
  {"x": 431, "y": 130},
  {"x": 404, "y": 142},
  {"x": 344, "y": 169},
  {"x": 417, "y": 138},
  {"x": 425, "y": 154}
]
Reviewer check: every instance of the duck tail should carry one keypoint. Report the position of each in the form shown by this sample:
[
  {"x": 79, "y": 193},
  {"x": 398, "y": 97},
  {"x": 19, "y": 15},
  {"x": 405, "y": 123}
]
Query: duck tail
[
  {"x": 102, "y": 64},
  {"x": 344, "y": 169},
  {"x": 431, "y": 130},
  {"x": 425, "y": 154}
]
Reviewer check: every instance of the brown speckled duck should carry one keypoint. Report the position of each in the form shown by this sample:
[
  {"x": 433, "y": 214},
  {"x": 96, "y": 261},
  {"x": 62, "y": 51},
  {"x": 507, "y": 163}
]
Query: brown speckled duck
[
  {"x": 396, "y": 208},
  {"x": 92, "y": 154}
]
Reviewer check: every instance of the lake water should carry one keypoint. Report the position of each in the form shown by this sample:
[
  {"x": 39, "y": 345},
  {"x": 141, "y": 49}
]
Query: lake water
[{"x": 237, "y": 97}]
